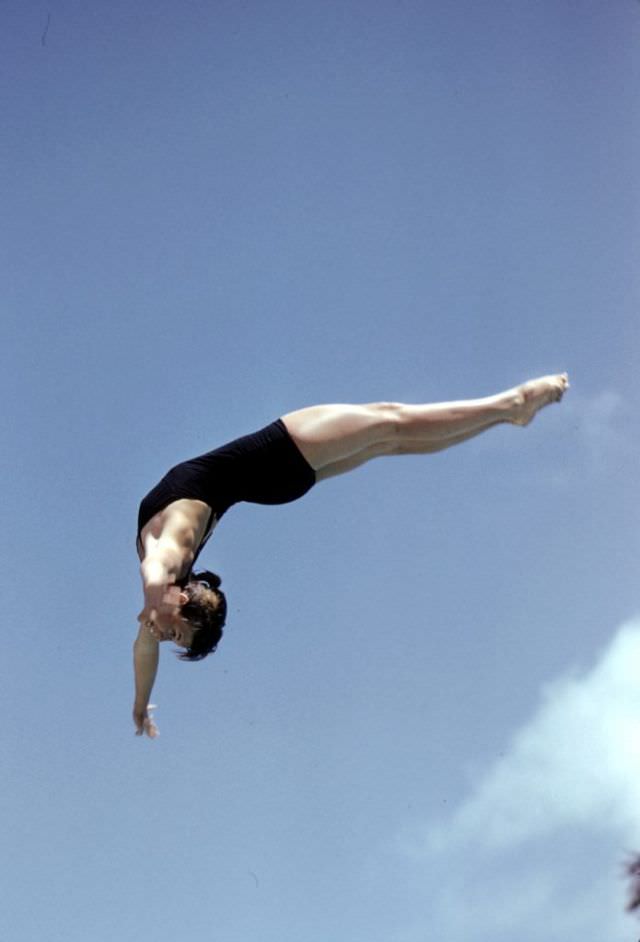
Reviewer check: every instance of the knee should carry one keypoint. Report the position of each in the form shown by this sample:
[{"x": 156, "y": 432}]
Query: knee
[{"x": 392, "y": 417}]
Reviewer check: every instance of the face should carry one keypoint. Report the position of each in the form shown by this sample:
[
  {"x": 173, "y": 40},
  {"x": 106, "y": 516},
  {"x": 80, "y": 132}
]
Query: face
[
  {"x": 178, "y": 630},
  {"x": 169, "y": 626}
]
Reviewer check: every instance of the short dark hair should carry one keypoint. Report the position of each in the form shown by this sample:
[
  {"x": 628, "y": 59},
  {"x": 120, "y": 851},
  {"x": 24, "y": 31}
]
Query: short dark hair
[{"x": 206, "y": 611}]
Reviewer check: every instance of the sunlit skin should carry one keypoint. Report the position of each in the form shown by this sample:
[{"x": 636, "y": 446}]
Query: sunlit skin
[
  {"x": 334, "y": 439},
  {"x": 159, "y": 621},
  {"x": 169, "y": 626}
]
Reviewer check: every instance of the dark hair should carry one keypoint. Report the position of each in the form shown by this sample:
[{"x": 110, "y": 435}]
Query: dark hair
[{"x": 206, "y": 611}]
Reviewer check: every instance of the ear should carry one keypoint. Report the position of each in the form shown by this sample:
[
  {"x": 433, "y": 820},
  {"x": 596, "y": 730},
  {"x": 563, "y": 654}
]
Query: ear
[{"x": 183, "y": 598}]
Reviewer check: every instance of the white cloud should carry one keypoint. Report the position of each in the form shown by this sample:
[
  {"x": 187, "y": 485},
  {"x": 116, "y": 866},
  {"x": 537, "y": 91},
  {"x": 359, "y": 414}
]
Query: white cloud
[
  {"x": 587, "y": 433},
  {"x": 601, "y": 421},
  {"x": 536, "y": 850}
]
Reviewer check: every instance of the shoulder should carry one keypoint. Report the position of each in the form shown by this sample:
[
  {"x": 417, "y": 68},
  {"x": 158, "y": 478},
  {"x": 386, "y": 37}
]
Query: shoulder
[{"x": 180, "y": 525}]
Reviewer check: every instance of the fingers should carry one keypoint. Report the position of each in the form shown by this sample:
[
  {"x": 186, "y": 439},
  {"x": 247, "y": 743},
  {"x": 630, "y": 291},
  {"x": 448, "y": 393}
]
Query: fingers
[
  {"x": 149, "y": 728},
  {"x": 144, "y": 722},
  {"x": 145, "y": 725}
]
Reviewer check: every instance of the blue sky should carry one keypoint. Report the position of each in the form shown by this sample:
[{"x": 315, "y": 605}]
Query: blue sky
[{"x": 426, "y": 698}]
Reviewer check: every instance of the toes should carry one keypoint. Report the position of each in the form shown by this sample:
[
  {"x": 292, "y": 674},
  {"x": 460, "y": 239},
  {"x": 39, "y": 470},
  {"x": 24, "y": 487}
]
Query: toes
[
  {"x": 563, "y": 386},
  {"x": 560, "y": 385}
]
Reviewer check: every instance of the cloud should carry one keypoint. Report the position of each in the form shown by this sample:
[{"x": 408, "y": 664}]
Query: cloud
[
  {"x": 587, "y": 434},
  {"x": 536, "y": 850},
  {"x": 601, "y": 421}
]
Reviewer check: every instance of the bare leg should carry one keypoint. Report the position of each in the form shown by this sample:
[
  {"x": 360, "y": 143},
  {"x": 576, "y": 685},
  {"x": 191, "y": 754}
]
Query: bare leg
[
  {"x": 331, "y": 434},
  {"x": 398, "y": 448}
]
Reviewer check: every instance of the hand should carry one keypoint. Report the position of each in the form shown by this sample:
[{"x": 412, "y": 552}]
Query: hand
[
  {"x": 160, "y": 600},
  {"x": 143, "y": 719}
]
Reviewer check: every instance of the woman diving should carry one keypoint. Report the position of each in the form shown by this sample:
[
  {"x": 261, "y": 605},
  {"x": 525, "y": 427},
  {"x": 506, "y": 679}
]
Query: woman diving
[{"x": 276, "y": 465}]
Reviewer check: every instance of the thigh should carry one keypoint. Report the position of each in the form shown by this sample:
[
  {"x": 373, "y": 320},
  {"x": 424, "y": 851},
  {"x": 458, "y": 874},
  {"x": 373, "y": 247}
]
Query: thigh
[
  {"x": 331, "y": 433},
  {"x": 357, "y": 460}
]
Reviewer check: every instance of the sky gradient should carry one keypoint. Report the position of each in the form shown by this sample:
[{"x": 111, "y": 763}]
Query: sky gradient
[{"x": 423, "y": 720}]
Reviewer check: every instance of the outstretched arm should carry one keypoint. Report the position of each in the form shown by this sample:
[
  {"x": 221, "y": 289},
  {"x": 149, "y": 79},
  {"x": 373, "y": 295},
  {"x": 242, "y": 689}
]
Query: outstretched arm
[
  {"x": 146, "y": 651},
  {"x": 163, "y": 558},
  {"x": 161, "y": 600}
]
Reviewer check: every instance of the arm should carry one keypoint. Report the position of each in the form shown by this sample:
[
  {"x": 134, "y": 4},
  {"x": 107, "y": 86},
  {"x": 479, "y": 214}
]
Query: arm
[
  {"x": 158, "y": 571},
  {"x": 167, "y": 551},
  {"x": 162, "y": 559},
  {"x": 146, "y": 652},
  {"x": 146, "y": 648}
]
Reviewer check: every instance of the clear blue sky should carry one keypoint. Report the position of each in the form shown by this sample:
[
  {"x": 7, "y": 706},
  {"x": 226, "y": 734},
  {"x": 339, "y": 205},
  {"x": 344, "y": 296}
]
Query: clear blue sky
[{"x": 423, "y": 721}]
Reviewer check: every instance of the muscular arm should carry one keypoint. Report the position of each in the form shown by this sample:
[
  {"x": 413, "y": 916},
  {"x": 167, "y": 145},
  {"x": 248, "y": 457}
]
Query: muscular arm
[
  {"x": 164, "y": 555},
  {"x": 158, "y": 571}
]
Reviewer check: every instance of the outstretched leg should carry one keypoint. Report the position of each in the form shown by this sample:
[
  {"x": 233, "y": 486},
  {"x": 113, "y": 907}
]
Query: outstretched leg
[
  {"x": 397, "y": 448},
  {"x": 337, "y": 438}
]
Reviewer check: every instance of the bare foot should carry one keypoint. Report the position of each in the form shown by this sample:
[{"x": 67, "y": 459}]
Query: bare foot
[{"x": 532, "y": 396}]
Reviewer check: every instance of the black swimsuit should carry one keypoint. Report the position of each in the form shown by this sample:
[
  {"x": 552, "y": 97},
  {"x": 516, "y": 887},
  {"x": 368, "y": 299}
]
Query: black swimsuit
[{"x": 263, "y": 468}]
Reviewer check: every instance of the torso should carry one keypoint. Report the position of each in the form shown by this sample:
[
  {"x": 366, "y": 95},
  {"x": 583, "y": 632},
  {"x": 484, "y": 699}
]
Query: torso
[
  {"x": 187, "y": 523},
  {"x": 177, "y": 515}
]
